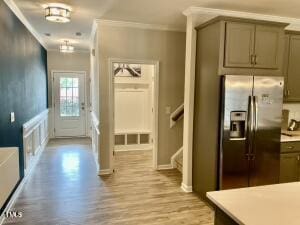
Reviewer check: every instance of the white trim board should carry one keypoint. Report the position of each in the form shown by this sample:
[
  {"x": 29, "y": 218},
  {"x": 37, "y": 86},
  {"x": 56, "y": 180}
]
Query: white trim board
[
  {"x": 186, "y": 189},
  {"x": 15, "y": 9},
  {"x": 165, "y": 167},
  {"x": 209, "y": 13},
  {"x": 105, "y": 172},
  {"x": 117, "y": 23}
]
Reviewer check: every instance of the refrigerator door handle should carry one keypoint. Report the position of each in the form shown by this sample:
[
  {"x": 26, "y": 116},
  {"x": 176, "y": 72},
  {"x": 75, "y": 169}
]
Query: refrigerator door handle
[
  {"x": 255, "y": 113},
  {"x": 250, "y": 127},
  {"x": 255, "y": 121}
]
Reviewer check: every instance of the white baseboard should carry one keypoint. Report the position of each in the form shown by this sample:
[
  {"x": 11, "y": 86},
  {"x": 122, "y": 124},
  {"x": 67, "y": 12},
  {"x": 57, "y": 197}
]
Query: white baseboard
[
  {"x": 105, "y": 172},
  {"x": 186, "y": 188},
  {"x": 23, "y": 182},
  {"x": 132, "y": 150},
  {"x": 164, "y": 167}
]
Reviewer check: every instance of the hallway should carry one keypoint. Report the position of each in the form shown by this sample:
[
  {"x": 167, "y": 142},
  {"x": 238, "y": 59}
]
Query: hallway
[{"x": 64, "y": 189}]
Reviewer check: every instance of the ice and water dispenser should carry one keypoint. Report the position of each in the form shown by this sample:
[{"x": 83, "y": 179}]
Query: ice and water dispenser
[{"x": 238, "y": 125}]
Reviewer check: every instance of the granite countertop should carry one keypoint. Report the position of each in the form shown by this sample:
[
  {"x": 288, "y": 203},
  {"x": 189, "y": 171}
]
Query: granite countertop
[{"x": 277, "y": 204}]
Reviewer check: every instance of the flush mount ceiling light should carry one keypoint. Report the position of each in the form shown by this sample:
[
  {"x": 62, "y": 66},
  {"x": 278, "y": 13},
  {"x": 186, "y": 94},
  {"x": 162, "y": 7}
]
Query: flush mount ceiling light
[
  {"x": 59, "y": 13},
  {"x": 66, "y": 47}
]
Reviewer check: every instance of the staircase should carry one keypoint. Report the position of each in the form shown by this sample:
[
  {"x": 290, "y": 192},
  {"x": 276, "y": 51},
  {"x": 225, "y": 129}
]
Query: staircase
[{"x": 176, "y": 159}]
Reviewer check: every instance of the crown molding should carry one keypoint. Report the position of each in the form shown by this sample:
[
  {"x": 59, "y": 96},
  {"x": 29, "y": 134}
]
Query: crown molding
[
  {"x": 145, "y": 26},
  {"x": 15, "y": 9},
  {"x": 294, "y": 22},
  {"x": 78, "y": 51}
]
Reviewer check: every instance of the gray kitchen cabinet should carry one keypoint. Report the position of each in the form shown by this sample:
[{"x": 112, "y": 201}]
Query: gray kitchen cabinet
[
  {"x": 289, "y": 167},
  {"x": 292, "y": 73},
  {"x": 239, "y": 48},
  {"x": 267, "y": 40},
  {"x": 249, "y": 45}
]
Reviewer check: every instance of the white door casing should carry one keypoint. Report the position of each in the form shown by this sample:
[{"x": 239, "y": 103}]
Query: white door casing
[{"x": 69, "y": 104}]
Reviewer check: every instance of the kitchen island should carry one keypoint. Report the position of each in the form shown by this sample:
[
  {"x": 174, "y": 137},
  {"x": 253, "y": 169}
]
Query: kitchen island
[{"x": 277, "y": 204}]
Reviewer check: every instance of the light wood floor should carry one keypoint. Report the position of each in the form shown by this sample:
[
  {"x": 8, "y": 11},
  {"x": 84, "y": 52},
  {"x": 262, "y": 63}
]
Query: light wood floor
[{"x": 64, "y": 189}]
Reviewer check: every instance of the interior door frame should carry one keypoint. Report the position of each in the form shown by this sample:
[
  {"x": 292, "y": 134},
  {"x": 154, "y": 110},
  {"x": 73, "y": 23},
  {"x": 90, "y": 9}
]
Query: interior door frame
[
  {"x": 53, "y": 100},
  {"x": 111, "y": 101}
]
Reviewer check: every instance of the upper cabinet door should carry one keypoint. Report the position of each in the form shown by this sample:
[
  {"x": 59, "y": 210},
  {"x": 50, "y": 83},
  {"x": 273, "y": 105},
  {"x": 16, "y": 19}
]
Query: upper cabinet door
[
  {"x": 239, "y": 44},
  {"x": 293, "y": 90},
  {"x": 267, "y": 42}
]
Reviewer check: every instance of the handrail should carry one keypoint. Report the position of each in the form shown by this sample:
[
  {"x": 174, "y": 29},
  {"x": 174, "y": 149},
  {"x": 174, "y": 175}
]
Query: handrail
[{"x": 176, "y": 115}]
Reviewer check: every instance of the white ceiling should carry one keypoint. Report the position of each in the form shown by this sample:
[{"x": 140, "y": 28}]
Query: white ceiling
[{"x": 157, "y": 12}]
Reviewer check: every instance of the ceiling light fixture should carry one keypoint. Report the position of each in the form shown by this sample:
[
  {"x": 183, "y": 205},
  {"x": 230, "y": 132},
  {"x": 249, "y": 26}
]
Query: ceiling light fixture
[
  {"x": 59, "y": 13},
  {"x": 66, "y": 47}
]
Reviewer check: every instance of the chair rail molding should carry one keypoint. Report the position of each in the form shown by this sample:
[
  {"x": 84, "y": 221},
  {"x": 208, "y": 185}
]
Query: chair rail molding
[{"x": 30, "y": 125}]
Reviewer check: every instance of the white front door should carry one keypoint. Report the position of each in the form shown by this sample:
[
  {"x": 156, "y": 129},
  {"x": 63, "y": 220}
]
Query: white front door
[{"x": 69, "y": 100}]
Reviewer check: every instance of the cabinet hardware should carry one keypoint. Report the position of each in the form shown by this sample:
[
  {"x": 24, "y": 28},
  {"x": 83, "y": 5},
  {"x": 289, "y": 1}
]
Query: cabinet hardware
[
  {"x": 252, "y": 59},
  {"x": 298, "y": 157},
  {"x": 290, "y": 147},
  {"x": 288, "y": 92},
  {"x": 284, "y": 93},
  {"x": 255, "y": 59}
]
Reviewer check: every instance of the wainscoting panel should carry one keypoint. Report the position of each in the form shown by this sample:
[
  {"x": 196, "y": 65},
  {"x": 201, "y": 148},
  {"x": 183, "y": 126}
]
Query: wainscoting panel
[{"x": 35, "y": 138}]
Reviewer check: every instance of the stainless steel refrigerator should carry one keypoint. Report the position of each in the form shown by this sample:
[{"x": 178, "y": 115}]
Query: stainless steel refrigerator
[{"x": 251, "y": 114}]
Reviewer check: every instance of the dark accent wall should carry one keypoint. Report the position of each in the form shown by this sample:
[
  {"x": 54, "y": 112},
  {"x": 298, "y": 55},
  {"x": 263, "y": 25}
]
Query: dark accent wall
[{"x": 23, "y": 79}]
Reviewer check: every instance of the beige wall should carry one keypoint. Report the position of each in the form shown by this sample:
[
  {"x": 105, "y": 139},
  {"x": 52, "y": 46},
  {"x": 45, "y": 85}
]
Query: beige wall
[
  {"x": 132, "y": 43},
  {"x": 78, "y": 61}
]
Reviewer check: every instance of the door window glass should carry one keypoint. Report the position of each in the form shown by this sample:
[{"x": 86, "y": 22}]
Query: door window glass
[{"x": 69, "y": 97}]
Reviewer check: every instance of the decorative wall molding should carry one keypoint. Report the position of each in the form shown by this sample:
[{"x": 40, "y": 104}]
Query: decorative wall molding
[
  {"x": 208, "y": 13},
  {"x": 164, "y": 167},
  {"x": 186, "y": 188},
  {"x": 35, "y": 139},
  {"x": 15, "y": 9},
  {"x": 146, "y": 26},
  {"x": 30, "y": 125}
]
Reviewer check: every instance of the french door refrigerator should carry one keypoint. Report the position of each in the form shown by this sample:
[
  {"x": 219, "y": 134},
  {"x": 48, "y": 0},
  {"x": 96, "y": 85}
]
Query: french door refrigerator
[{"x": 251, "y": 112}]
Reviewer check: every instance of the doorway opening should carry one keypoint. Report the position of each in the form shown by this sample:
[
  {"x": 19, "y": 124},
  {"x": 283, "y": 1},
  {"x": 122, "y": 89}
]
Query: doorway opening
[
  {"x": 134, "y": 107},
  {"x": 69, "y": 104}
]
